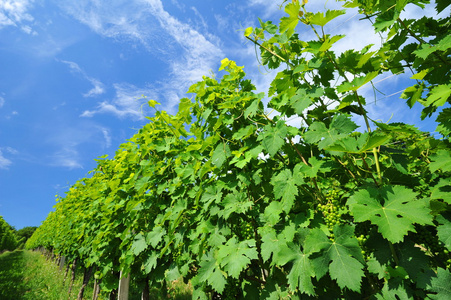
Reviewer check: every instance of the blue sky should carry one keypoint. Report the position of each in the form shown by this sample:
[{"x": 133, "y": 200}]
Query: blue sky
[{"x": 72, "y": 73}]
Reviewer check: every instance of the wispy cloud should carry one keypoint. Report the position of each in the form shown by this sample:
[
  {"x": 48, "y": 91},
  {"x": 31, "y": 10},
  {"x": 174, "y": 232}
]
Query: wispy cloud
[
  {"x": 189, "y": 53},
  {"x": 98, "y": 88},
  {"x": 67, "y": 157},
  {"x": 15, "y": 13},
  {"x": 69, "y": 143},
  {"x": 2, "y": 101},
  {"x": 5, "y": 162},
  {"x": 128, "y": 102},
  {"x": 270, "y": 7},
  {"x": 199, "y": 57}
]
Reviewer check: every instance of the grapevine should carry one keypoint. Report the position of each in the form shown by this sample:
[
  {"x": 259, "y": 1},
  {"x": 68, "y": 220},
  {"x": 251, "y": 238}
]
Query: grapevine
[{"x": 244, "y": 205}]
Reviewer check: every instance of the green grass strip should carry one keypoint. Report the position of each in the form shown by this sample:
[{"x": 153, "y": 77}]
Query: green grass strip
[{"x": 26, "y": 275}]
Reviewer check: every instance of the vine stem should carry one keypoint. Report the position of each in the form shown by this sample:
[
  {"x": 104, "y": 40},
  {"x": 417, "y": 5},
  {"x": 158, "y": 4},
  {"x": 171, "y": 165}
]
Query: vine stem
[
  {"x": 365, "y": 117},
  {"x": 270, "y": 51},
  {"x": 306, "y": 163},
  {"x": 393, "y": 252}
]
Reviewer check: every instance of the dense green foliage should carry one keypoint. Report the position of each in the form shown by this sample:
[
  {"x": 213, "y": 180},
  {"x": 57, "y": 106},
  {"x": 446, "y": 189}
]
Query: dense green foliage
[
  {"x": 24, "y": 234},
  {"x": 8, "y": 240},
  {"x": 242, "y": 204}
]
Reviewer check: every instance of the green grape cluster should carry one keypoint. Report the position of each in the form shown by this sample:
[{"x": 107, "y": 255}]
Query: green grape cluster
[
  {"x": 362, "y": 240},
  {"x": 331, "y": 210},
  {"x": 246, "y": 231},
  {"x": 177, "y": 252},
  {"x": 362, "y": 234},
  {"x": 429, "y": 240}
]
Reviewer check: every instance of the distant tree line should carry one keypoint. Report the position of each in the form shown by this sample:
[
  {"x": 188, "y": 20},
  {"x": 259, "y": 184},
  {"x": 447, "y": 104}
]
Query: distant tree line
[{"x": 10, "y": 238}]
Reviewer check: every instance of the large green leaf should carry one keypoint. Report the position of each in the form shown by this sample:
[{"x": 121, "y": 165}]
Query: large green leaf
[
  {"x": 302, "y": 272},
  {"x": 342, "y": 256},
  {"x": 357, "y": 82},
  {"x": 289, "y": 23},
  {"x": 441, "y": 285},
  {"x": 442, "y": 191},
  {"x": 439, "y": 95},
  {"x": 322, "y": 19},
  {"x": 220, "y": 154},
  {"x": 340, "y": 126},
  {"x": 235, "y": 256},
  {"x": 139, "y": 244},
  {"x": 394, "y": 209},
  {"x": 273, "y": 137},
  {"x": 210, "y": 272},
  {"x": 440, "y": 161},
  {"x": 285, "y": 188},
  {"x": 444, "y": 231},
  {"x": 444, "y": 121}
]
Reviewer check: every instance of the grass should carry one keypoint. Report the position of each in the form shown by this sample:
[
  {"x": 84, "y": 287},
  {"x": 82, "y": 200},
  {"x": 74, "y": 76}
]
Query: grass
[{"x": 27, "y": 275}]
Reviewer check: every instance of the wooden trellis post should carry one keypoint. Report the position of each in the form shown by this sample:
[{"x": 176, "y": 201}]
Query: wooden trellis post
[{"x": 124, "y": 284}]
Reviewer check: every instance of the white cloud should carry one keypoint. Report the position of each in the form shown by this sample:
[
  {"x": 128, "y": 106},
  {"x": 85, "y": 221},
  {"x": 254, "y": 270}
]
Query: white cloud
[
  {"x": 128, "y": 102},
  {"x": 5, "y": 162},
  {"x": 69, "y": 143},
  {"x": 189, "y": 53},
  {"x": 270, "y": 7},
  {"x": 15, "y": 12},
  {"x": 67, "y": 157},
  {"x": 98, "y": 88},
  {"x": 106, "y": 136},
  {"x": 2, "y": 101},
  {"x": 115, "y": 19}
]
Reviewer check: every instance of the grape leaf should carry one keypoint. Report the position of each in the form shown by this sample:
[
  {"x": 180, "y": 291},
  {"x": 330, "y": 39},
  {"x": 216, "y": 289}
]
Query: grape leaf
[
  {"x": 300, "y": 101},
  {"x": 322, "y": 19},
  {"x": 343, "y": 124},
  {"x": 444, "y": 231},
  {"x": 441, "y": 5},
  {"x": 235, "y": 257},
  {"x": 442, "y": 190},
  {"x": 440, "y": 160},
  {"x": 425, "y": 50},
  {"x": 139, "y": 244},
  {"x": 315, "y": 166},
  {"x": 340, "y": 126},
  {"x": 445, "y": 43},
  {"x": 441, "y": 285},
  {"x": 151, "y": 262},
  {"x": 289, "y": 23},
  {"x": 154, "y": 237},
  {"x": 364, "y": 142},
  {"x": 343, "y": 254},
  {"x": 220, "y": 154},
  {"x": 357, "y": 82},
  {"x": 270, "y": 242},
  {"x": 285, "y": 188},
  {"x": 438, "y": 95},
  {"x": 210, "y": 272},
  {"x": 444, "y": 120},
  {"x": 235, "y": 203},
  {"x": 272, "y": 212},
  {"x": 273, "y": 137},
  {"x": 301, "y": 272},
  {"x": 394, "y": 289},
  {"x": 394, "y": 209},
  {"x": 141, "y": 183}
]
